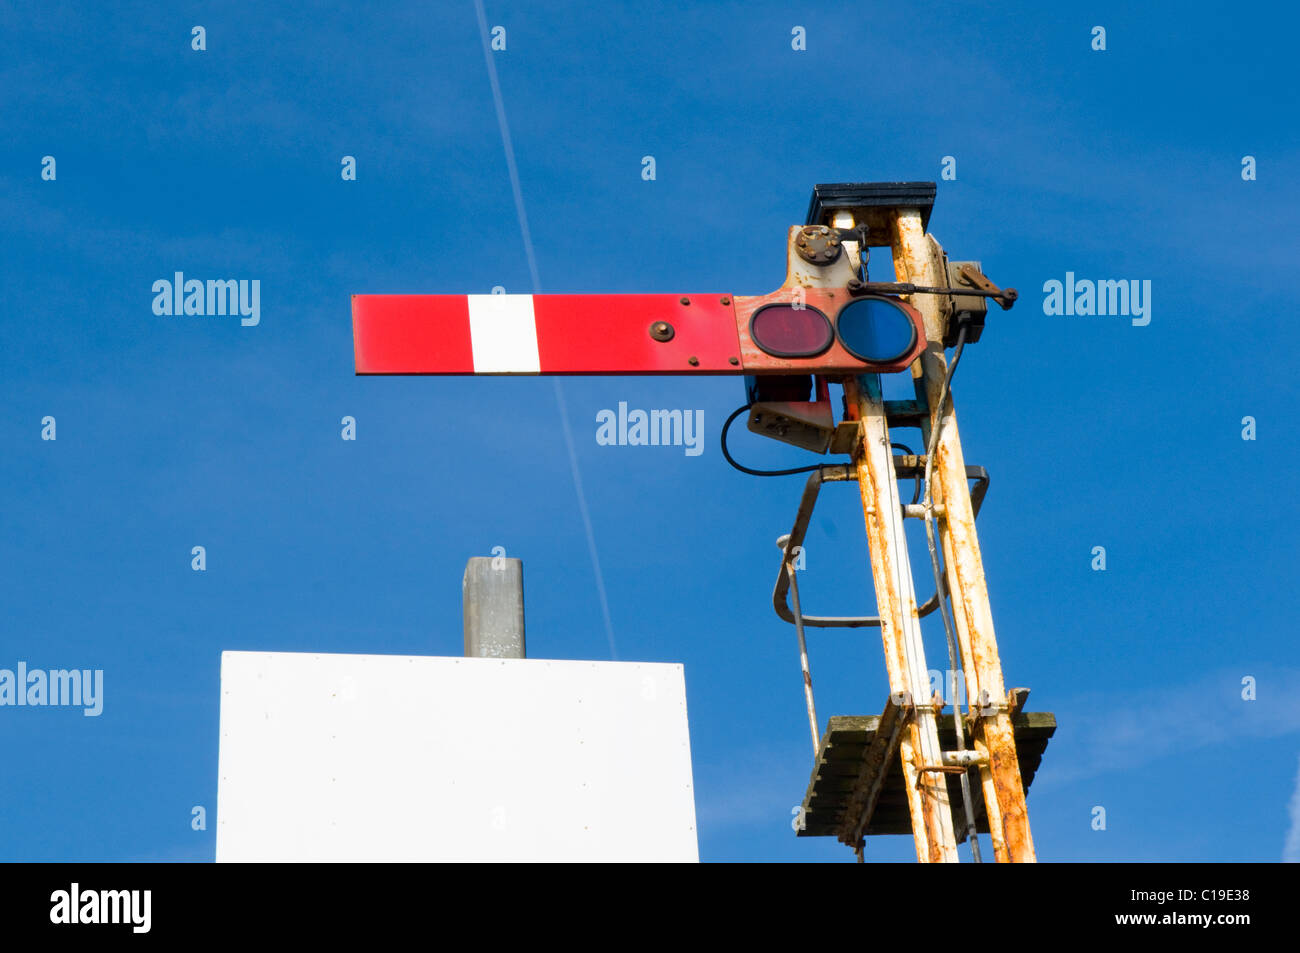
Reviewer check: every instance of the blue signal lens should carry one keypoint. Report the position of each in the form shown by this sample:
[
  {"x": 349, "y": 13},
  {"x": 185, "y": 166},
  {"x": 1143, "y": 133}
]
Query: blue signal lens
[{"x": 875, "y": 330}]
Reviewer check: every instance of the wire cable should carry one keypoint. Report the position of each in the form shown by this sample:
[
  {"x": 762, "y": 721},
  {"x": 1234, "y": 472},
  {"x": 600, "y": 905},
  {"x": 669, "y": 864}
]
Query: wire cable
[
  {"x": 940, "y": 583},
  {"x": 916, "y": 495},
  {"x": 750, "y": 470},
  {"x": 522, "y": 216}
]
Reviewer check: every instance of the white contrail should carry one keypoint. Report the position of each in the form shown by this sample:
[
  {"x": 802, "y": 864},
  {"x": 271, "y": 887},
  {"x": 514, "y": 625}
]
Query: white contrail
[
  {"x": 537, "y": 289},
  {"x": 1291, "y": 849},
  {"x": 509, "y": 146}
]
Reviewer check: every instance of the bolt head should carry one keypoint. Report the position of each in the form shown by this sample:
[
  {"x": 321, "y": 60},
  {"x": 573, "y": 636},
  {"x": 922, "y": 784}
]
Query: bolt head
[{"x": 662, "y": 331}]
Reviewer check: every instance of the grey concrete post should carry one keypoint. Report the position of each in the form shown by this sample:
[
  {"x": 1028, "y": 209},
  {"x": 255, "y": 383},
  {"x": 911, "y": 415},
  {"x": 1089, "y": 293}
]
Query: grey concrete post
[{"x": 493, "y": 598}]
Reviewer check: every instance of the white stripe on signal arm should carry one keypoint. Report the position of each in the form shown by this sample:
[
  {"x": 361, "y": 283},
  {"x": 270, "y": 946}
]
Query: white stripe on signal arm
[{"x": 503, "y": 334}]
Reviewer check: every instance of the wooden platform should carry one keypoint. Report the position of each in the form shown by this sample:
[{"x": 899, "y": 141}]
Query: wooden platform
[{"x": 853, "y": 752}]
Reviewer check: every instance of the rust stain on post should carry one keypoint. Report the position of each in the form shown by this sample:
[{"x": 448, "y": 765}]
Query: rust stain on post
[
  {"x": 916, "y": 259},
  {"x": 927, "y": 792}
]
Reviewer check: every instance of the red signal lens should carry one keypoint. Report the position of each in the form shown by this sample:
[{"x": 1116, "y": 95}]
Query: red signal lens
[{"x": 783, "y": 330}]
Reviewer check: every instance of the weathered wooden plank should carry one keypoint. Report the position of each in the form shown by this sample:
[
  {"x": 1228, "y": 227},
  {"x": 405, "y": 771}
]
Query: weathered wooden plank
[{"x": 848, "y": 744}]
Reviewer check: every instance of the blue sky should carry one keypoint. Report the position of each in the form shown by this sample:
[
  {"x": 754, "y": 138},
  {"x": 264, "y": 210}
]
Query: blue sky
[{"x": 181, "y": 431}]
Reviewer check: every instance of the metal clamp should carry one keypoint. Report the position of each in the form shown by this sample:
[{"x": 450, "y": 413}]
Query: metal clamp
[{"x": 987, "y": 707}]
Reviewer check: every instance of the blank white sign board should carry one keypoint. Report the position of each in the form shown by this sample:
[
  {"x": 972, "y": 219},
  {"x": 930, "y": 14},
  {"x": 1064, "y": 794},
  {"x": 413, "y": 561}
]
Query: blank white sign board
[{"x": 398, "y": 758}]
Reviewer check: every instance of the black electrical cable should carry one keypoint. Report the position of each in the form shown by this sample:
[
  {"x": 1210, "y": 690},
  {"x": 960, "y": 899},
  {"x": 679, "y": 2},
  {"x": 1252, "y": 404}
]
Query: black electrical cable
[
  {"x": 793, "y": 470},
  {"x": 750, "y": 470}
]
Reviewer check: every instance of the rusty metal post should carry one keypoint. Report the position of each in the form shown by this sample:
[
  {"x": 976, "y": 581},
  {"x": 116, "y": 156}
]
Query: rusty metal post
[
  {"x": 900, "y": 625},
  {"x": 918, "y": 259}
]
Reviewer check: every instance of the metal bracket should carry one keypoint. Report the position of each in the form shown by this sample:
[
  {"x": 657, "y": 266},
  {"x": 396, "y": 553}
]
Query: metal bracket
[
  {"x": 903, "y": 702},
  {"x": 975, "y": 278},
  {"x": 987, "y": 707}
]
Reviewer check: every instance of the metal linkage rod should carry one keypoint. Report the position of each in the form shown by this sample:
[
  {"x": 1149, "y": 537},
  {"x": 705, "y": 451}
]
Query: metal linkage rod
[{"x": 803, "y": 650}]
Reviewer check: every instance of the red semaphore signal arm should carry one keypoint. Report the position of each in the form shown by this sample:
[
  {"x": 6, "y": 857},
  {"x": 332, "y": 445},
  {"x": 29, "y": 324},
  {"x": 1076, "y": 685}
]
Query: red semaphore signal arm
[{"x": 629, "y": 334}]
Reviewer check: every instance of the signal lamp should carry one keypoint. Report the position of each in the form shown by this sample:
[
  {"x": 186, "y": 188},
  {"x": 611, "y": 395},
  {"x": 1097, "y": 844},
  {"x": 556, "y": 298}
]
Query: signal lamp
[
  {"x": 783, "y": 330},
  {"x": 875, "y": 330}
]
